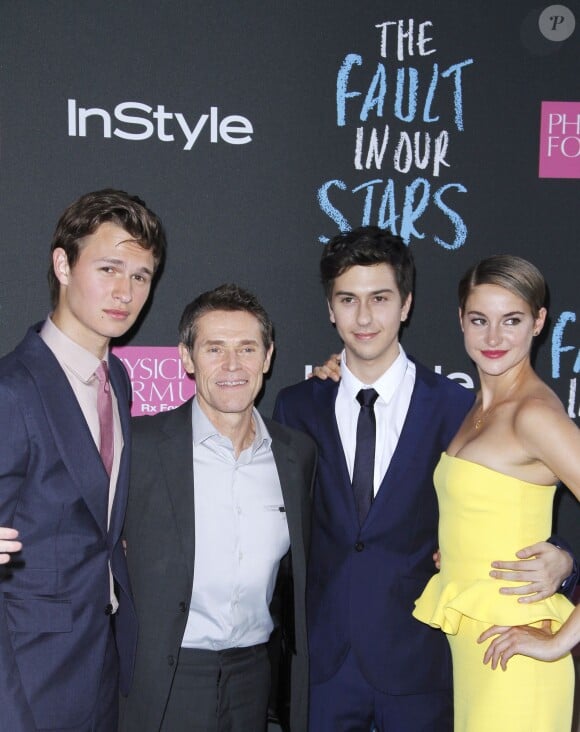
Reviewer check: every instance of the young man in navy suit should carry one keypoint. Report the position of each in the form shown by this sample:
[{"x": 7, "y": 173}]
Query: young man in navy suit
[
  {"x": 67, "y": 623},
  {"x": 371, "y": 662}
]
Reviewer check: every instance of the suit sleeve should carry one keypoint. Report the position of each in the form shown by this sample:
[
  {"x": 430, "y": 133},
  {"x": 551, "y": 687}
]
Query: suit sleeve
[
  {"x": 569, "y": 584},
  {"x": 14, "y": 454},
  {"x": 278, "y": 414}
]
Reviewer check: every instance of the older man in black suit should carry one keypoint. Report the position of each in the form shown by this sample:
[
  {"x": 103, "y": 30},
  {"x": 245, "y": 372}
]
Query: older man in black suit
[{"x": 217, "y": 533}]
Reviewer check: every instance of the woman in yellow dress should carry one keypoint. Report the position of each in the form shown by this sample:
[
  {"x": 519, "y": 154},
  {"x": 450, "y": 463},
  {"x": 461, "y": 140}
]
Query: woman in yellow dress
[{"x": 495, "y": 486}]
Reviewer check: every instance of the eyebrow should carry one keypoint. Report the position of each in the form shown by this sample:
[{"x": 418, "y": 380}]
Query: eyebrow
[
  {"x": 122, "y": 263},
  {"x": 505, "y": 315},
  {"x": 374, "y": 292},
  {"x": 221, "y": 341}
]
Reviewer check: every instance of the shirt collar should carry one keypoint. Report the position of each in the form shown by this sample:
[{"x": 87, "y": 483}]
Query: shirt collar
[
  {"x": 386, "y": 385},
  {"x": 75, "y": 358},
  {"x": 203, "y": 428}
]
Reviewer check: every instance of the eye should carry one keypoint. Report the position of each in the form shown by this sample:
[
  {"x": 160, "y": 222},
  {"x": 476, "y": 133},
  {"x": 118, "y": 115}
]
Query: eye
[
  {"x": 107, "y": 268},
  {"x": 513, "y": 321},
  {"x": 141, "y": 278},
  {"x": 477, "y": 321},
  {"x": 380, "y": 298},
  {"x": 347, "y": 299}
]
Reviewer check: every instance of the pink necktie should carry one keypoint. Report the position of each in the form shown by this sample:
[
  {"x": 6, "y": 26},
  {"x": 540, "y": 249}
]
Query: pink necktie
[{"x": 105, "y": 412}]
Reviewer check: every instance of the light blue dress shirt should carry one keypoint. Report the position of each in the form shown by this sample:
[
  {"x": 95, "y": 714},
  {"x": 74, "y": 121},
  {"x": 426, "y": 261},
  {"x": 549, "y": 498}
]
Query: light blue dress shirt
[{"x": 241, "y": 534}]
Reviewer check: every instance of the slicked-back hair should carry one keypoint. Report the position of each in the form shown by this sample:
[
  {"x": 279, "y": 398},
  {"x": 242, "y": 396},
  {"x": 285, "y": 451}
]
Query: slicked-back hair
[
  {"x": 514, "y": 274},
  {"x": 367, "y": 246},
  {"x": 84, "y": 216},
  {"x": 227, "y": 297}
]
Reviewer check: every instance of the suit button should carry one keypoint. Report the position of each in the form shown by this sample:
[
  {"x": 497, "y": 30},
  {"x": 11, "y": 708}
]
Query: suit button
[
  {"x": 182, "y": 607},
  {"x": 170, "y": 660},
  {"x": 359, "y": 546},
  {"x": 109, "y": 609}
]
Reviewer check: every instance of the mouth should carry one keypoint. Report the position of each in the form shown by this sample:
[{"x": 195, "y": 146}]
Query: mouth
[
  {"x": 364, "y": 336},
  {"x": 493, "y": 354},
  {"x": 117, "y": 314},
  {"x": 232, "y": 383}
]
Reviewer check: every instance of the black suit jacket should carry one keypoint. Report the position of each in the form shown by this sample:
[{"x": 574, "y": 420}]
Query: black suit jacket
[{"x": 160, "y": 533}]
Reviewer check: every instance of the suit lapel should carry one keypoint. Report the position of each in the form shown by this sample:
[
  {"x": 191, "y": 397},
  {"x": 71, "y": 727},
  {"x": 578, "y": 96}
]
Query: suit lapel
[
  {"x": 120, "y": 384},
  {"x": 288, "y": 467},
  {"x": 176, "y": 456},
  {"x": 419, "y": 420},
  {"x": 67, "y": 425},
  {"x": 326, "y": 428},
  {"x": 331, "y": 456}
]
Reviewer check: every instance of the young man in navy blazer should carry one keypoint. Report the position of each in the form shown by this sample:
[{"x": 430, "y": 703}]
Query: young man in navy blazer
[
  {"x": 371, "y": 662},
  {"x": 67, "y": 623}
]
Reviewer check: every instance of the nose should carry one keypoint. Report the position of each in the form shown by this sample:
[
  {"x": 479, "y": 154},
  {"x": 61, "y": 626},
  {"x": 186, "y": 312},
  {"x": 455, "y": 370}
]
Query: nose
[
  {"x": 231, "y": 362},
  {"x": 493, "y": 334},
  {"x": 123, "y": 289},
  {"x": 363, "y": 314}
]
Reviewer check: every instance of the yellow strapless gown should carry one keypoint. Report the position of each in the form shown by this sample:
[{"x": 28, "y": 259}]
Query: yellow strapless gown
[{"x": 486, "y": 515}]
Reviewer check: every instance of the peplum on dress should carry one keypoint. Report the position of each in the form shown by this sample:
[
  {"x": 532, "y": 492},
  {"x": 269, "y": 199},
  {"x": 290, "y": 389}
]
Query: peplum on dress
[{"x": 487, "y": 515}]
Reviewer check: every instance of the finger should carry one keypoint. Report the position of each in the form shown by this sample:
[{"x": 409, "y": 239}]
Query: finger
[
  {"x": 521, "y": 565},
  {"x": 10, "y": 546},
  {"x": 521, "y": 589},
  {"x": 494, "y": 657},
  {"x": 529, "y": 551},
  {"x": 321, "y": 372},
  {"x": 6, "y": 533},
  {"x": 535, "y": 596},
  {"x": 494, "y": 630}
]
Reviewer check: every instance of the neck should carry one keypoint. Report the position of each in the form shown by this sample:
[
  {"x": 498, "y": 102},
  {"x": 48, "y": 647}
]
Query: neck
[
  {"x": 97, "y": 345},
  {"x": 495, "y": 389},
  {"x": 239, "y": 427},
  {"x": 370, "y": 371}
]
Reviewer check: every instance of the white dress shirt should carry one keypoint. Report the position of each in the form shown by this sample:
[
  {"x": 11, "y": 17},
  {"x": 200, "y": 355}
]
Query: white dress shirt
[
  {"x": 394, "y": 388},
  {"x": 241, "y": 533}
]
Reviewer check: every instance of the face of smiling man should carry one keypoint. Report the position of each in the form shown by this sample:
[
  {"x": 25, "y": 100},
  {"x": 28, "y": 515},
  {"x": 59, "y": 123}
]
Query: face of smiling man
[
  {"x": 228, "y": 360},
  {"x": 367, "y": 309}
]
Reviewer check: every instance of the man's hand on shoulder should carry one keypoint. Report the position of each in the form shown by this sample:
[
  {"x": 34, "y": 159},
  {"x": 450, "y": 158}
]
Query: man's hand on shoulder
[{"x": 328, "y": 370}]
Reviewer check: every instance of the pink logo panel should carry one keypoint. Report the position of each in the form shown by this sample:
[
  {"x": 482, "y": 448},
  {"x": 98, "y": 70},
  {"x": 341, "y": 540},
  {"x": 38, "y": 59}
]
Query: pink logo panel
[
  {"x": 158, "y": 378},
  {"x": 560, "y": 140}
]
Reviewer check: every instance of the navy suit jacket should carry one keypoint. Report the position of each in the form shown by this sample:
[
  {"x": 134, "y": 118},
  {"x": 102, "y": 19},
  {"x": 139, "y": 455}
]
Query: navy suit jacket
[
  {"x": 363, "y": 581},
  {"x": 55, "y": 594}
]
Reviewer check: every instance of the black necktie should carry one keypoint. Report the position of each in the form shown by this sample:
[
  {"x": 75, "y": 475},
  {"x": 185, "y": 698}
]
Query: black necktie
[{"x": 364, "y": 457}]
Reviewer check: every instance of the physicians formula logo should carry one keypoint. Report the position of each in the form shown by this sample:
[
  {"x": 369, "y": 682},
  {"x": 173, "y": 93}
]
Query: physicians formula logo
[
  {"x": 560, "y": 140},
  {"x": 157, "y": 376},
  {"x": 137, "y": 121}
]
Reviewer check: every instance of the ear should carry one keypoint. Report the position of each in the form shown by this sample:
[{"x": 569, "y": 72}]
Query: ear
[
  {"x": 540, "y": 321},
  {"x": 406, "y": 307},
  {"x": 460, "y": 312},
  {"x": 60, "y": 265},
  {"x": 185, "y": 357},
  {"x": 268, "y": 359},
  {"x": 330, "y": 312}
]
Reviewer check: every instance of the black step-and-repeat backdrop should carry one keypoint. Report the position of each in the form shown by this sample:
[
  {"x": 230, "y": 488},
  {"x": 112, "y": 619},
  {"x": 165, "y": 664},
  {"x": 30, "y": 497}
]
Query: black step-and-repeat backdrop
[{"x": 259, "y": 130}]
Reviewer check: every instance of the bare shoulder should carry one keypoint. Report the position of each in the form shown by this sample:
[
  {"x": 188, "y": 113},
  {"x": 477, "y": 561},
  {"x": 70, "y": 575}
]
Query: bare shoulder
[
  {"x": 537, "y": 408},
  {"x": 548, "y": 435}
]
